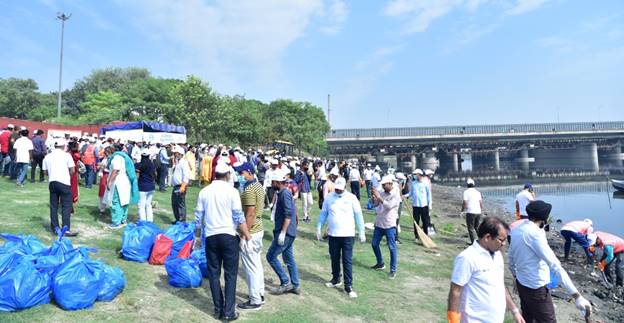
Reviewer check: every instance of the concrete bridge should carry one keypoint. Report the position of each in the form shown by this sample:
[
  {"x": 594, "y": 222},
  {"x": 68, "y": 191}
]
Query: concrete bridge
[{"x": 588, "y": 146}]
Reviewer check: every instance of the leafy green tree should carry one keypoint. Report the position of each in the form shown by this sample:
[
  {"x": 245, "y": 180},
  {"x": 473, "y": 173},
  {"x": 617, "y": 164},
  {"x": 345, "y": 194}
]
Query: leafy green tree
[
  {"x": 196, "y": 107},
  {"x": 18, "y": 97},
  {"x": 102, "y": 107}
]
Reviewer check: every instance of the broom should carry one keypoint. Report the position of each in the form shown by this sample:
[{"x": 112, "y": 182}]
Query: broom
[{"x": 426, "y": 241}]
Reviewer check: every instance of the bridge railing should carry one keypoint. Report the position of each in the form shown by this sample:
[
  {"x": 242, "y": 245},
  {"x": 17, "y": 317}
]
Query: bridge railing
[{"x": 476, "y": 130}]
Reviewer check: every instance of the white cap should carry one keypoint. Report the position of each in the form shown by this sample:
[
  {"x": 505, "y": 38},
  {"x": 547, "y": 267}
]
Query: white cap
[
  {"x": 591, "y": 238},
  {"x": 386, "y": 179},
  {"x": 23, "y": 128},
  {"x": 417, "y": 171},
  {"x": 178, "y": 149},
  {"x": 428, "y": 172},
  {"x": 10, "y": 126},
  {"x": 470, "y": 181},
  {"x": 589, "y": 221},
  {"x": 278, "y": 176},
  {"x": 145, "y": 152},
  {"x": 334, "y": 171},
  {"x": 341, "y": 183},
  {"x": 94, "y": 134},
  {"x": 91, "y": 139},
  {"x": 377, "y": 167},
  {"x": 222, "y": 168},
  {"x": 400, "y": 175},
  {"x": 274, "y": 161},
  {"x": 59, "y": 142}
]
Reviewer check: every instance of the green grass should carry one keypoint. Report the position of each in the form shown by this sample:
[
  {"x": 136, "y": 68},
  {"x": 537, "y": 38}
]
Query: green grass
[{"x": 418, "y": 294}]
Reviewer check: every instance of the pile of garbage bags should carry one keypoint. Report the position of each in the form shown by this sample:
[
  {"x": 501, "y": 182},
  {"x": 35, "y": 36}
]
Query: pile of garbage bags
[
  {"x": 32, "y": 274},
  {"x": 145, "y": 242}
]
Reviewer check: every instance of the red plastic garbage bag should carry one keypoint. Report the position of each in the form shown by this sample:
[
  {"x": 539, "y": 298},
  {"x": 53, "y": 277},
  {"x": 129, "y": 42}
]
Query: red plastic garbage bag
[
  {"x": 161, "y": 250},
  {"x": 186, "y": 250}
]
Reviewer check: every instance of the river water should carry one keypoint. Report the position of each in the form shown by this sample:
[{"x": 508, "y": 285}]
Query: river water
[{"x": 571, "y": 201}]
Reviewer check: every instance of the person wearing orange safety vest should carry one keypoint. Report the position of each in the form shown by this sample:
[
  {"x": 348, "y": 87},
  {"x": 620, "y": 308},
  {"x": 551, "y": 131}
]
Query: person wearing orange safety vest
[
  {"x": 88, "y": 158},
  {"x": 613, "y": 249},
  {"x": 581, "y": 232}
]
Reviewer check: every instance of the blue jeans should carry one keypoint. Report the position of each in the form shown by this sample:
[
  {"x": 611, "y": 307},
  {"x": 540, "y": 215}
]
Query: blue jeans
[
  {"x": 578, "y": 237},
  {"x": 390, "y": 234},
  {"x": 21, "y": 169},
  {"x": 341, "y": 248},
  {"x": 288, "y": 255},
  {"x": 5, "y": 162},
  {"x": 89, "y": 176}
]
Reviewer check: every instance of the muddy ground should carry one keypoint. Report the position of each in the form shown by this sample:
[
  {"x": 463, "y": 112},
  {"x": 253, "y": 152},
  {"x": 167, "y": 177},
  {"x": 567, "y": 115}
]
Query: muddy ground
[{"x": 607, "y": 302}]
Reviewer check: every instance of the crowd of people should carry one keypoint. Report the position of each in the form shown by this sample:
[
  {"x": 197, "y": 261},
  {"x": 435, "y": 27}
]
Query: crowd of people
[{"x": 238, "y": 187}]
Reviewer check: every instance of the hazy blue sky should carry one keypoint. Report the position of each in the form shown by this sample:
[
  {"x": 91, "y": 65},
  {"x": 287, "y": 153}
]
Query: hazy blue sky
[{"x": 385, "y": 63}]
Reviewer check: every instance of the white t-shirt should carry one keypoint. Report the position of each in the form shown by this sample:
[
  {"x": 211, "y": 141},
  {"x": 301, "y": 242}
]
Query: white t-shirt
[
  {"x": 216, "y": 205},
  {"x": 472, "y": 197},
  {"x": 482, "y": 277},
  {"x": 354, "y": 175},
  {"x": 524, "y": 198},
  {"x": 368, "y": 174},
  {"x": 57, "y": 163},
  {"x": 22, "y": 146}
]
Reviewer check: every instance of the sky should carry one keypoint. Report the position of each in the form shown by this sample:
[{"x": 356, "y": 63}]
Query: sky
[{"x": 385, "y": 63}]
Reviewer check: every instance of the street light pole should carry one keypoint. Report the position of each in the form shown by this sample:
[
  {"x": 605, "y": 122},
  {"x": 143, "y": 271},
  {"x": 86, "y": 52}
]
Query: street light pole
[{"x": 62, "y": 17}]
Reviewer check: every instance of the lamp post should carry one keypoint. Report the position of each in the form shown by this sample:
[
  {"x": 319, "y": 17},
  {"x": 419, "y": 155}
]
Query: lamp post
[{"x": 62, "y": 17}]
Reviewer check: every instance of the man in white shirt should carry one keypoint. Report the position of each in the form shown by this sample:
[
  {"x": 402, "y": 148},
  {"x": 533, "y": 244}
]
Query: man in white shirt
[
  {"x": 179, "y": 181},
  {"x": 526, "y": 196},
  {"x": 57, "y": 166},
  {"x": 472, "y": 205},
  {"x": 354, "y": 180},
  {"x": 343, "y": 214},
  {"x": 23, "y": 154},
  {"x": 368, "y": 176},
  {"x": 270, "y": 192},
  {"x": 218, "y": 214},
  {"x": 478, "y": 292},
  {"x": 531, "y": 262}
]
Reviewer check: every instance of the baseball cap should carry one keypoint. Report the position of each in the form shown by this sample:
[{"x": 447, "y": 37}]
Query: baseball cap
[
  {"x": 400, "y": 176},
  {"x": 145, "y": 152},
  {"x": 334, "y": 171},
  {"x": 386, "y": 179},
  {"x": 11, "y": 126},
  {"x": 59, "y": 142},
  {"x": 274, "y": 161},
  {"x": 528, "y": 185},
  {"x": 429, "y": 172},
  {"x": 245, "y": 167},
  {"x": 417, "y": 171},
  {"x": 470, "y": 181},
  {"x": 591, "y": 238},
  {"x": 278, "y": 177},
  {"x": 589, "y": 221},
  {"x": 341, "y": 183},
  {"x": 222, "y": 168}
]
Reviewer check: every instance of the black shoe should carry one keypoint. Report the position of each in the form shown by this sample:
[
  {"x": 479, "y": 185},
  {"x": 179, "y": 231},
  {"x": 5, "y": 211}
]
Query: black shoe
[
  {"x": 248, "y": 306},
  {"x": 296, "y": 290},
  {"x": 398, "y": 241},
  {"x": 70, "y": 234},
  {"x": 378, "y": 267},
  {"x": 231, "y": 318},
  {"x": 262, "y": 298},
  {"x": 283, "y": 289}
]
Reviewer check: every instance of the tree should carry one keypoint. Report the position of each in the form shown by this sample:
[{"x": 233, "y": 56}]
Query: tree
[
  {"x": 148, "y": 99},
  {"x": 102, "y": 107},
  {"x": 196, "y": 107},
  {"x": 18, "y": 97}
]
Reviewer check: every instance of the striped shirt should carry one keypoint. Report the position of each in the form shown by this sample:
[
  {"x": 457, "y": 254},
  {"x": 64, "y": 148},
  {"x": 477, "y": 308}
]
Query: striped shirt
[{"x": 253, "y": 195}]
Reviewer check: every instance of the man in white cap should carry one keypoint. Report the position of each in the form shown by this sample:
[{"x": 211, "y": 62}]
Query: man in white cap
[
  {"x": 581, "y": 232},
  {"x": 58, "y": 165},
  {"x": 387, "y": 203},
  {"x": 368, "y": 176},
  {"x": 420, "y": 193},
  {"x": 330, "y": 183},
  {"x": 354, "y": 180},
  {"x": 179, "y": 181},
  {"x": 343, "y": 213},
  {"x": 284, "y": 235},
  {"x": 472, "y": 205},
  {"x": 376, "y": 177},
  {"x": 270, "y": 191}
]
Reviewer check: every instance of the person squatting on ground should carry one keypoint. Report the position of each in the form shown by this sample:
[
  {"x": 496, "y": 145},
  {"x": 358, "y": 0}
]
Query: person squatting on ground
[
  {"x": 612, "y": 250},
  {"x": 343, "y": 214},
  {"x": 581, "y": 232},
  {"x": 478, "y": 292}
]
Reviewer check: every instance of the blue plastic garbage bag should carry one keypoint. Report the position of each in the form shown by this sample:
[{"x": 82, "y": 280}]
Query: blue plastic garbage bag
[
  {"x": 59, "y": 251},
  {"x": 114, "y": 283},
  {"x": 200, "y": 257},
  {"x": 138, "y": 239},
  {"x": 183, "y": 272},
  {"x": 180, "y": 233},
  {"x": 77, "y": 282},
  {"x": 8, "y": 260},
  {"x": 23, "y": 286},
  {"x": 554, "y": 281},
  {"x": 26, "y": 244}
]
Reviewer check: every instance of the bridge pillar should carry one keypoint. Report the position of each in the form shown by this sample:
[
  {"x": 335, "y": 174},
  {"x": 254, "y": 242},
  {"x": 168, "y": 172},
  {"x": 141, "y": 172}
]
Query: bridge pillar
[
  {"x": 429, "y": 161},
  {"x": 496, "y": 160},
  {"x": 523, "y": 159},
  {"x": 413, "y": 161},
  {"x": 615, "y": 157},
  {"x": 455, "y": 162},
  {"x": 379, "y": 157}
]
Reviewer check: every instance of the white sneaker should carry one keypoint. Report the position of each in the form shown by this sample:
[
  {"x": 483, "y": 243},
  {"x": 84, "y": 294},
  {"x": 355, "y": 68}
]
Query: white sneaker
[
  {"x": 332, "y": 285},
  {"x": 352, "y": 294}
]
